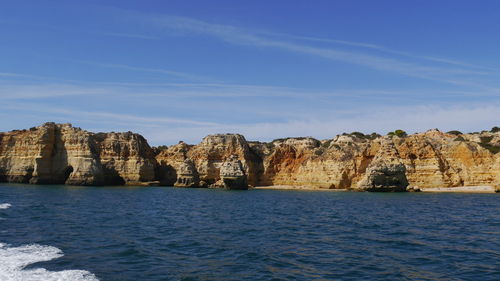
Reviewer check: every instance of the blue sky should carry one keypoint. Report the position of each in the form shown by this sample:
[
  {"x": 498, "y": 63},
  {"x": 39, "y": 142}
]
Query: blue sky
[{"x": 179, "y": 70}]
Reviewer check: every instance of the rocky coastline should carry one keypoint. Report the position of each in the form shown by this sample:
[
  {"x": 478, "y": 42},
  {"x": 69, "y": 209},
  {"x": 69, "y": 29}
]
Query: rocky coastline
[{"x": 62, "y": 154}]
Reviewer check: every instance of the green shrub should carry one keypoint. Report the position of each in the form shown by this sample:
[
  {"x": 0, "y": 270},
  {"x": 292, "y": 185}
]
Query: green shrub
[
  {"x": 319, "y": 152},
  {"x": 269, "y": 145},
  {"x": 492, "y": 148},
  {"x": 162, "y": 147},
  {"x": 459, "y": 138},
  {"x": 399, "y": 133},
  {"x": 358, "y": 134},
  {"x": 486, "y": 139},
  {"x": 284, "y": 139},
  {"x": 495, "y": 129},
  {"x": 454, "y": 132},
  {"x": 326, "y": 144},
  {"x": 363, "y": 136}
]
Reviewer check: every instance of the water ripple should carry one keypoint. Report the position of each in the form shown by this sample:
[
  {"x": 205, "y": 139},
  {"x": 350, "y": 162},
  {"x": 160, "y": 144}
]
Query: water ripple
[{"x": 201, "y": 234}]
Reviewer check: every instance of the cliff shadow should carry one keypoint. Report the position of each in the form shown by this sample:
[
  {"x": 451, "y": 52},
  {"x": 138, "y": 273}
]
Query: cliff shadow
[
  {"x": 53, "y": 166},
  {"x": 67, "y": 172},
  {"x": 24, "y": 178},
  {"x": 111, "y": 176},
  {"x": 3, "y": 176},
  {"x": 166, "y": 174}
]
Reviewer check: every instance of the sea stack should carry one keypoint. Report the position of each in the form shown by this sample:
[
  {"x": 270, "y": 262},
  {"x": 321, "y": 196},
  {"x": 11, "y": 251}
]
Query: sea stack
[
  {"x": 233, "y": 175},
  {"x": 187, "y": 176},
  {"x": 386, "y": 172}
]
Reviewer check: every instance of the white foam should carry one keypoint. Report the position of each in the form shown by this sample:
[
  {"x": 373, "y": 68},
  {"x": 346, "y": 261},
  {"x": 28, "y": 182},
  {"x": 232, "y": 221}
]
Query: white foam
[
  {"x": 5, "y": 206},
  {"x": 13, "y": 260}
]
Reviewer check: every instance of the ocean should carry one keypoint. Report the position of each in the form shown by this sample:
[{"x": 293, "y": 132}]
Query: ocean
[{"x": 51, "y": 232}]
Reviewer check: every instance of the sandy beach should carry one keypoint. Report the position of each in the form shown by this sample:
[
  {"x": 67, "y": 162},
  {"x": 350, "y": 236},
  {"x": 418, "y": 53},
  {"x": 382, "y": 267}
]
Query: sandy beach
[
  {"x": 296, "y": 187},
  {"x": 462, "y": 189},
  {"x": 458, "y": 189}
]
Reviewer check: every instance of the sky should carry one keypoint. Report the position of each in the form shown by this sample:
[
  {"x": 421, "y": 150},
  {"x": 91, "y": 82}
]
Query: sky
[{"x": 180, "y": 70}]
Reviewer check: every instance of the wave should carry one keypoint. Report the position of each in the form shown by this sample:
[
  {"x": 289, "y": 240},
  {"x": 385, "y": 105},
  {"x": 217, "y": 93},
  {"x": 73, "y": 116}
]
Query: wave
[
  {"x": 5, "y": 206},
  {"x": 13, "y": 261}
]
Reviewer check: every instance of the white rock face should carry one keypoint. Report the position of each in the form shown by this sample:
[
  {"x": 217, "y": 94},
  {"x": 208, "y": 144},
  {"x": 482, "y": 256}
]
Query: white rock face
[
  {"x": 59, "y": 153},
  {"x": 187, "y": 176},
  {"x": 233, "y": 175}
]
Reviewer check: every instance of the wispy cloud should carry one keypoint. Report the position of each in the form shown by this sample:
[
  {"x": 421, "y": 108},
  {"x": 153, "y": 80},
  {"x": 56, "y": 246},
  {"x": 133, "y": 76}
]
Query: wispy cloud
[
  {"x": 167, "y": 127},
  {"x": 21, "y": 75},
  {"x": 35, "y": 89},
  {"x": 99, "y": 116},
  {"x": 146, "y": 69},
  {"x": 386, "y": 50},
  {"x": 129, "y": 35},
  {"x": 47, "y": 90},
  {"x": 460, "y": 74},
  {"x": 464, "y": 117}
]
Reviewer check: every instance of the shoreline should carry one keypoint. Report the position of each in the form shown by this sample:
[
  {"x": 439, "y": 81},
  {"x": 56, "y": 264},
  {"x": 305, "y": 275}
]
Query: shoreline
[
  {"x": 295, "y": 187},
  {"x": 461, "y": 189},
  {"x": 458, "y": 189}
]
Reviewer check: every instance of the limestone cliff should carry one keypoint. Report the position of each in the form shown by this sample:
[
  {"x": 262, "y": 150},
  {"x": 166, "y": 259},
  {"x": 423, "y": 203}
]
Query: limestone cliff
[
  {"x": 386, "y": 172},
  {"x": 187, "y": 176},
  {"x": 59, "y": 153},
  {"x": 350, "y": 161},
  {"x": 233, "y": 174},
  {"x": 209, "y": 155},
  {"x": 126, "y": 158}
]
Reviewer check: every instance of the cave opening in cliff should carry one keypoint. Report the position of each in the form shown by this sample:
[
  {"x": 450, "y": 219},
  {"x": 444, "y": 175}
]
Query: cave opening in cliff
[{"x": 67, "y": 172}]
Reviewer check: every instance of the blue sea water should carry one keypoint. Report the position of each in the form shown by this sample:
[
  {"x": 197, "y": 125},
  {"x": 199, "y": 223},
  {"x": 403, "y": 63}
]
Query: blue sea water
[{"x": 159, "y": 233}]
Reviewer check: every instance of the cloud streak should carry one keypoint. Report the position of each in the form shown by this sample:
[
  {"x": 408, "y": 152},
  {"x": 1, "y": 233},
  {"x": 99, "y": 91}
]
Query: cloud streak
[
  {"x": 458, "y": 75},
  {"x": 99, "y": 116},
  {"x": 466, "y": 118},
  {"x": 164, "y": 127},
  {"x": 386, "y": 50},
  {"x": 146, "y": 69},
  {"x": 129, "y": 35},
  {"x": 183, "y": 91}
]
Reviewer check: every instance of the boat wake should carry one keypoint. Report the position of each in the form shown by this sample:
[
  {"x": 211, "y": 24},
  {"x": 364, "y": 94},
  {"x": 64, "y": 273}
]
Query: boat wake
[
  {"x": 13, "y": 261},
  {"x": 5, "y": 206}
]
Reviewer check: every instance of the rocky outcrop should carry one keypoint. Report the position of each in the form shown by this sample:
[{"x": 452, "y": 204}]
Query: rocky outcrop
[
  {"x": 50, "y": 154},
  {"x": 187, "y": 176},
  {"x": 437, "y": 159},
  {"x": 126, "y": 158},
  {"x": 386, "y": 172},
  {"x": 384, "y": 177},
  {"x": 59, "y": 153},
  {"x": 352, "y": 161},
  {"x": 233, "y": 175},
  {"x": 169, "y": 162},
  {"x": 209, "y": 156}
]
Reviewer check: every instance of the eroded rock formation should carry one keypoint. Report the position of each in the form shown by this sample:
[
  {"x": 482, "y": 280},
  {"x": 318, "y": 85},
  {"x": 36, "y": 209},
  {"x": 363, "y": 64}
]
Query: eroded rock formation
[
  {"x": 60, "y": 153},
  {"x": 386, "y": 172},
  {"x": 353, "y": 161},
  {"x": 232, "y": 174},
  {"x": 210, "y": 154},
  {"x": 187, "y": 176}
]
